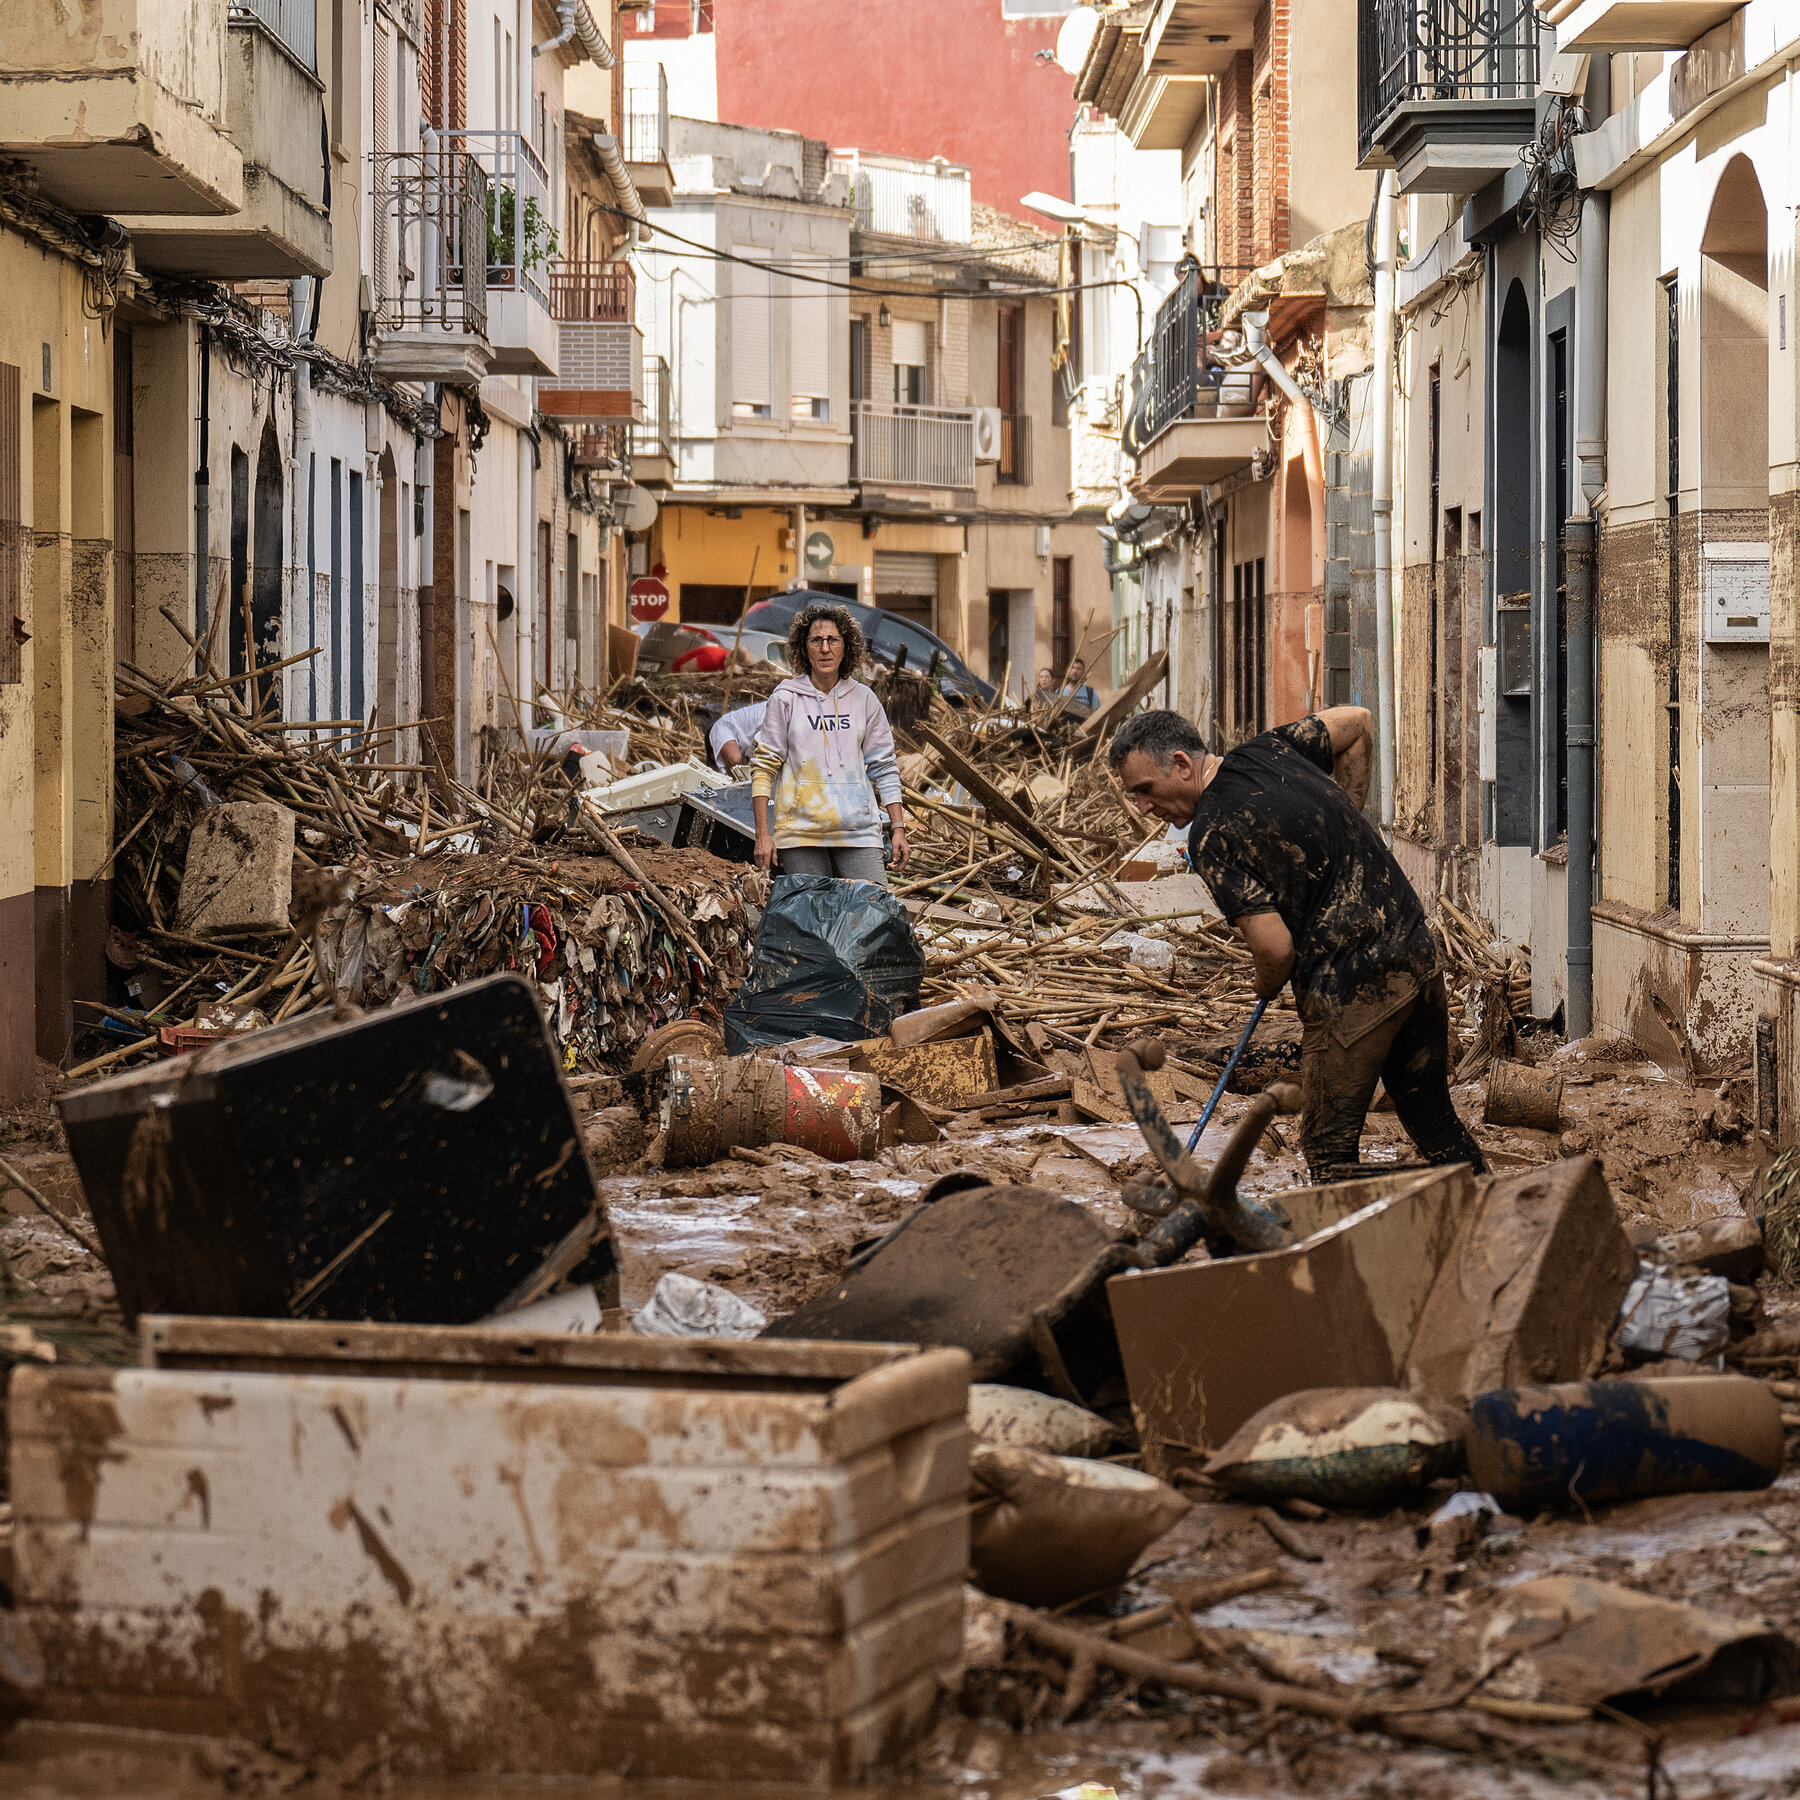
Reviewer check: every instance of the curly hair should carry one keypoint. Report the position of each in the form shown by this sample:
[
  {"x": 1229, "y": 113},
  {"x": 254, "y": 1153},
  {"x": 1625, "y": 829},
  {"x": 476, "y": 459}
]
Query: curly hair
[{"x": 855, "y": 649}]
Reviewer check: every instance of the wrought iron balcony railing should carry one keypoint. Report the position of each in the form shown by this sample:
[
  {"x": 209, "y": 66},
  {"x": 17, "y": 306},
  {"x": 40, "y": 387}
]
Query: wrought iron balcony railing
[
  {"x": 431, "y": 227},
  {"x": 1413, "y": 50},
  {"x": 909, "y": 199}
]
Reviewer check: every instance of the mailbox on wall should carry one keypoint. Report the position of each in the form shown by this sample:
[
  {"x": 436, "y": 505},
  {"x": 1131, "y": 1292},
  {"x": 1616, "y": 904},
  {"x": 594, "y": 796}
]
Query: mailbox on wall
[{"x": 1735, "y": 590}]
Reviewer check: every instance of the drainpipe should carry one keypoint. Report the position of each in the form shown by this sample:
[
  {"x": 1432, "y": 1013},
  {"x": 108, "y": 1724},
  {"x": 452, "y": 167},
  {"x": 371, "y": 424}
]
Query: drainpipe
[
  {"x": 299, "y": 300},
  {"x": 203, "y": 499},
  {"x": 606, "y": 147},
  {"x": 1381, "y": 495},
  {"x": 578, "y": 22},
  {"x": 425, "y": 499},
  {"x": 1582, "y": 542}
]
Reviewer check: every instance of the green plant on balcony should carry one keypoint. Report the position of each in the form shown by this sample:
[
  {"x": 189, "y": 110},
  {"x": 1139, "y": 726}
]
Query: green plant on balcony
[{"x": 541, "y": 243}]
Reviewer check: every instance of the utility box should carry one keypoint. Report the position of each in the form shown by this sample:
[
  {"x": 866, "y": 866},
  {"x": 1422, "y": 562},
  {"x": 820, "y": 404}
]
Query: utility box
[
  {"x": 500, "y": 1553},
  {"x": 1736, "y": 597}
]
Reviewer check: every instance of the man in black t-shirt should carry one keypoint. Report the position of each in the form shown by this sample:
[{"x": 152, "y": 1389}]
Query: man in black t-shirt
[{"x": 1278, "y": 833}]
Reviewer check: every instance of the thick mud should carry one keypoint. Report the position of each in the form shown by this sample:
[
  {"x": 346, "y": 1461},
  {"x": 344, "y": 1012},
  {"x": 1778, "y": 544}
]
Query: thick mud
[{"x": 1373, "y": 1612}]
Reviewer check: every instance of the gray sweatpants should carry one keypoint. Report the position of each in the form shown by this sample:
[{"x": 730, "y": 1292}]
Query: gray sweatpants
[{"x": 835, "y": 859}]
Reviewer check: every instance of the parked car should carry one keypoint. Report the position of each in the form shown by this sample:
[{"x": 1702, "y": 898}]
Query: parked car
[
  {"x": 667, "y": 640},
  {"x": 887, "y": 634}
]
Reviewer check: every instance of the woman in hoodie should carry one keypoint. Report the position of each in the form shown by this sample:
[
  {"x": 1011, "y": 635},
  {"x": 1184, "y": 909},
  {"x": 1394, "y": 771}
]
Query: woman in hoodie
[{"x": 825, "y": 756}]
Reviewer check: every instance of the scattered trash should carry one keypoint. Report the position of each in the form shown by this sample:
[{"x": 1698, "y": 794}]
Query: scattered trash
[
  {"x": 1046, "y": 1529},
  {"x": 1362, "y": 1447},
  {"x": 950, "y": 1073},
  {"x": 1530, "y": 1289},
  {"x": 684, "y": 1306},
  {"x": 1461, "y": 1522},
  {"x": 831, "y": 957},
  {"x": 239, "y": 870},
  {"x": 1583, "y": 1442},
  {"x": 626, "y": 1500},
  {"x": 1772, "y": 1199},
  {"x": 305, "y": 1170},
  {"x": 1518, "y": 1094},
  {"x": 1143, "y": 952},
  {"x": 1563, "y": 1641},
  {"x": 710, "y": 1104},
  {"x": 1730, "y": 1246},
  {"x": 1338, "y": 1307},
  {"x": 1666, "y": 1314},
  {"x": 1023, "y": 1419},
  {"x": 578, "y": 1311}
]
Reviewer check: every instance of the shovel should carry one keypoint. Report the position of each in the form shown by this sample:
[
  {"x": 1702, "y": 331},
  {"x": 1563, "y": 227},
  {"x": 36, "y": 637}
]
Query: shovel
[{"x": 1231, "y": 1062}]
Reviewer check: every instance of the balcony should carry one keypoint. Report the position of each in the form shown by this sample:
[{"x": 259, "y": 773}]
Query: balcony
[
  {"x": 521, "y": 241},
  {"x": 119, "y": 105},
  {"x": 603, "y": 447},
  {"x": 601, "y": 375},
  {"x": 653, "y": 436},
  {"x": 1587, "y": 26},
  {"x": 1446, "y": 90},
  {"x": 897, "y": 197},
  {"x": 1199, "y": 415},
  {"x": 646, "y": 135},
  {"x": 429, "y": 324},
  {"x": 1184, "y": 43},
  {"x": 273, "y": 106},
  {"x": 912, "y": 446}
]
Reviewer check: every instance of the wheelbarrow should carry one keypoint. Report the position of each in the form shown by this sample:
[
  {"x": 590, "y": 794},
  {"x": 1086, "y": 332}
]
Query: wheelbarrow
[{"x": 1017, "y": 1275}]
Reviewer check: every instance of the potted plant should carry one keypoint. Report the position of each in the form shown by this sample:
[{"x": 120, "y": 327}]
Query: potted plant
[{"x": 540, "y": 244}]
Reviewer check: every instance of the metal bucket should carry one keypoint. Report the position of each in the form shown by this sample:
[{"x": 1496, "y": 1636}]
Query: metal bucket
[{"x": 711, "y": 1104}]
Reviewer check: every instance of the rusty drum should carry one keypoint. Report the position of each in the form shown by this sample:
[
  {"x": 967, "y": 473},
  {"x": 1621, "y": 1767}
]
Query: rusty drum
[{"x": 713, "y": 1103}]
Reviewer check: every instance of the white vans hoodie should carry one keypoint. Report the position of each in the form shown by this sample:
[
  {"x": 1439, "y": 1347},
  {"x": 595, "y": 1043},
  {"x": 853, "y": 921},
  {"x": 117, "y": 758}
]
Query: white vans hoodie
[{"x": 827, "y": 761}]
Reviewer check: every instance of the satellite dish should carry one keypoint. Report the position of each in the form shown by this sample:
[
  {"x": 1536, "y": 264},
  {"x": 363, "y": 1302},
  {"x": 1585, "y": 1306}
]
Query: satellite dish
[
  {"x": 637, "y": 511},
  {"x": 1073, "y": 39}
]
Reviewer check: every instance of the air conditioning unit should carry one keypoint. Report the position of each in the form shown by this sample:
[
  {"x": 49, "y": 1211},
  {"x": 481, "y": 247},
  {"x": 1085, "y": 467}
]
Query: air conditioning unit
[{"x": 987, "y": 434}]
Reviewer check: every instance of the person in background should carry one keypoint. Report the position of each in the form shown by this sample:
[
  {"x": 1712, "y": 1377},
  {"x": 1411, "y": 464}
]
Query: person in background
[
  {"x": 1075, "y": 686},
  {"x": 1046, "y": 687},
  {"x": 734, "y": 737},
  {"x": 824, "y": 766}
]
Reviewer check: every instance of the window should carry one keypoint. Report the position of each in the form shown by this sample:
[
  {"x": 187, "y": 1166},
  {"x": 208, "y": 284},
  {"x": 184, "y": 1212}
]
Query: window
[
  {"x": 1248, "y": 662},
  {"x": 859, "y": 357},
  {"x": 809, "y": 340},
  {"x": 910, "y": 348},
  {"x": 1062, "y": 587},
  {"x": 752, "y": 310},
  {"x": 338, "y": 28}
]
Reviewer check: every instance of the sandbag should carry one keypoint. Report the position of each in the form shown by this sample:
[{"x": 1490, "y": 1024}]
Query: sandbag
[
  {"x": 834, "y": 959},
  {"x": 1047, "y": 1529},
  {"x": 1023, "y": 1419},
  {"x": 1339, "y": 1447}
]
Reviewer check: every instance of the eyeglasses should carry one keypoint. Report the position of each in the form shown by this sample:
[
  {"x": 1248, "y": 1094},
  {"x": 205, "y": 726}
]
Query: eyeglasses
[{"x": 823, "y": 643}]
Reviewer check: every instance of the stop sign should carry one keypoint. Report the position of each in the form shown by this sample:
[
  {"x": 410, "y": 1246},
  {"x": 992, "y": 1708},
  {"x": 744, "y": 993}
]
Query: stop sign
[{"x": 649, "y": 599}]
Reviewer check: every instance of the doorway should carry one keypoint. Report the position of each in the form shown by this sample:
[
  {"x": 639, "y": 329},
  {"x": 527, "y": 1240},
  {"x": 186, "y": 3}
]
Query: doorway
[
  {"x": 387, "y": 609},
  {"x": 265, "y": 581}
]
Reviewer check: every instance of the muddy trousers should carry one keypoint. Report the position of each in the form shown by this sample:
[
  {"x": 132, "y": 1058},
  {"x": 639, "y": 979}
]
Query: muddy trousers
[{"x": 1409, "y": 1051}]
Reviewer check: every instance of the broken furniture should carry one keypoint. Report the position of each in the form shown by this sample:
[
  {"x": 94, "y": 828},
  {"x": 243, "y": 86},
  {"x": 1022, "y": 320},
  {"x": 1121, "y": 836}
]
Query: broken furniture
[
  {"x": 498, "y": 1552},
  {"x": 420, "y": 1164}
]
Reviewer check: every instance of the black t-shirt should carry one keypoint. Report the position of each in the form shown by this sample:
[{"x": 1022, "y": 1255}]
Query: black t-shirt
[{"x": 1274, "y": 833}]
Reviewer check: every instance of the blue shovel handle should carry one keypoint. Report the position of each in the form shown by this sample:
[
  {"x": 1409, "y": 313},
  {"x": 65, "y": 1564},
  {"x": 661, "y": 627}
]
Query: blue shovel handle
[{"x": 1231, "y": 1062}]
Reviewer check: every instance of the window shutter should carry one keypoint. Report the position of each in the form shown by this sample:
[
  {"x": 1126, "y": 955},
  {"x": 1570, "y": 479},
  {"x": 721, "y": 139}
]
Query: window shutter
[
  {"x": 384, "y": 143},
  {"x": 809, "y": 333},
  {"x": 909, "y": 343},
  {"x": 750, "y": 339}
]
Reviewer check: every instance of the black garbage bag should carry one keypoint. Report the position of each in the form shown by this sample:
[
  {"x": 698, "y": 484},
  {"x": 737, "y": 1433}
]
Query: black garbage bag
[{"x": 832, "y": 959}]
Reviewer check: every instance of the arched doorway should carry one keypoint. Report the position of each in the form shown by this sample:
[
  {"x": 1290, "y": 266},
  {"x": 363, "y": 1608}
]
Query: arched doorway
[
  {"x": 1725, "y": 735},
  {"x": 265, "y": 583},
  {"x": 387, "y": 640}
]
